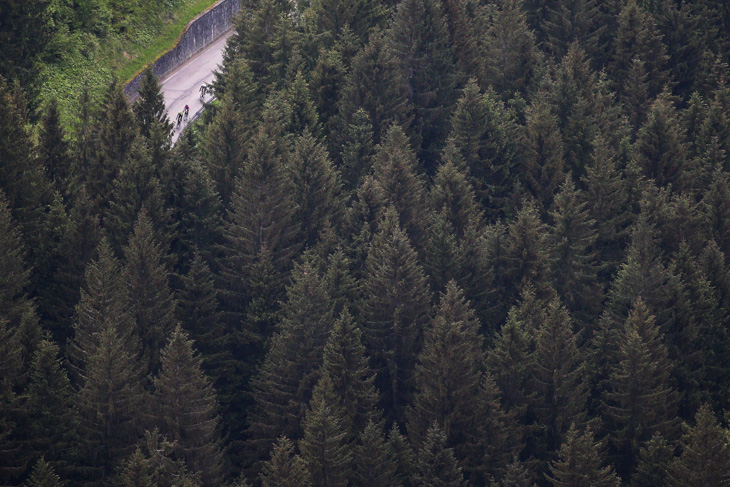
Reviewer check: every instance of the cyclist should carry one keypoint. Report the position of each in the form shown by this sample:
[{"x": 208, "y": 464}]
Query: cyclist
[
  {"x": 179, "y": 118},
  {"x": 187, "y": 111},
  {"x": 203, "y": 90}
]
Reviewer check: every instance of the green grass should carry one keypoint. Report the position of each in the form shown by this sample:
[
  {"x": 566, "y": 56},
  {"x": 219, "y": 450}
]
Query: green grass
[
  {"x": 142, "y": 56},
  {"x": 87, "y": 59}
]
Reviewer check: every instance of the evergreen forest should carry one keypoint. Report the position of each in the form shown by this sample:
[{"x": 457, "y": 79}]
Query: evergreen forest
[{"x": 414, "y": 243}]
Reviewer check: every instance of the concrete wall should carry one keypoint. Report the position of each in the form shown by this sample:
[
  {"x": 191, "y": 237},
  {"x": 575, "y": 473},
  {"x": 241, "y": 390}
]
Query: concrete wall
[{"x": 201, "y": 31}]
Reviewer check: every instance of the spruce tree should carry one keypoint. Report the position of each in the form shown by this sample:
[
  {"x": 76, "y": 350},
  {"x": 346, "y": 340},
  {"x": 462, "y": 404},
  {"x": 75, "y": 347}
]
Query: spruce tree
[
  {"x": 346, "y": 364},
  {"x": 653, "y": 463},
  {"x": 53, "y": 149},
  {"x": 447, "y": 376},
  {"x": 187, "y": 409},
  {"x": 150, "y": 298},
  {"x": 109, "y": 404},
  {"x": 52, "y": 418},
  {"x": 453, "y": 195},
  {"x": 436, "y": 465},
  {"x": 316, "y": 187},
  {"x": 395, "y": 307},
  {"x": 511, "y": 58},
  {"x": 403, "y": 456},
  {"x": 377, "y": 86},
  {"x": 395, "y": 171},
  {"x": 373, "y": 463},
  {"x": 580, "y": 463},
  {"x": 705, "y": 458},
  {"x": 641, "y": 401},
  {"x": 43, "y": 475},
  {"x": 357, "y": 150},
  {"x": 223, "y": 150},
  {"x": 567, "y": 22},
  {"x": 483, "y": 134},
  {"x": 104, "y": 303},
  {"x": 544, "y": 170},
  {"x": 284, "y": 382},
  {"x": 418, "y": 40},
  {"x": 660, "y": 148},
  {"x": 573, "y": 263},
  {"x": 441, "y": 257},
  {"x": 324, "y": 446},
  {"x": 14, "y": 284},
  {"x": 285, "y": 468},
  {"x": 558, "y": 379},
  {"x": 150, "y": 111}
]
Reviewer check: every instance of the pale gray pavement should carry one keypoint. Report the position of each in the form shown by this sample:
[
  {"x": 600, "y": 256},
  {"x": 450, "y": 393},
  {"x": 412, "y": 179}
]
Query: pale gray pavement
[{"x": 182, "y": 86}]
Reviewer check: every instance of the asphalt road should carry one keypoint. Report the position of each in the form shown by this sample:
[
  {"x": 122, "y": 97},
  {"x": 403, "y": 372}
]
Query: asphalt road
[{"x": 182, "y": 86}]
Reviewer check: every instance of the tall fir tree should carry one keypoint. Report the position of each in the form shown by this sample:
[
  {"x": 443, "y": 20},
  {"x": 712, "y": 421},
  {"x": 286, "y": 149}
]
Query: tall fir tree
[
  {"x": 373, "y": 464},
  {"x": 43, "y": 475},
  {"x": 580, "y": 463},
  {"x": 567, "y": 22},
  {"x": 357, "y": 150},
  {"x": 436, "y": 465},
  {"x": 418, "y": 40},
  {"x": 641, "y": 401},
  {"x": 187, "y": 409},
  {"x": 705, "y": 457},
  {"x": 53, "y": 149},
  {"x": 152, "y": 119},
  {"x": 224, "y": 157},
  {"x": 285, "y": 468},
  {"x": 653, "y": 463},
  {"x": 394, "y": 311},
  {"x": 453, "y": 195},
  {"x": 150, "y": 298}
]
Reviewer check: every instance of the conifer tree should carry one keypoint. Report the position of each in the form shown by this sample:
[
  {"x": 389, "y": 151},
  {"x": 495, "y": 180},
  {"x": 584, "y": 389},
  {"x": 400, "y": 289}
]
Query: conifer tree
[
  {"x": 452, "y": 194},
  {"x": 637, "y": 37},
  {"x": 104, "y": 303},
  {"x": 14, "y": 302},
  {"x": 573, "y": 264},
  {"x": 53, "y": 148},
  {"x": 150, "y": 298},
  {"x": 373, "y": 464},
  {"x": 156, "y": 463},
  {"x": 705, "y": 458},
  {"x": 109, "y": 405},
  {"x": 717, "y": 212},
  {"x": 292, "y": 364},
  {"x": 342, "y": 287},
  {"x": 304, "y": 116},
  {"x": 395, "y": 172},
  {"x": 403, "y": 456},
  {"x": 357, "y": 149},
  {"x": 395, "y": 307},
  {"x": 653, "y": 463},
  {"x": 660, "y": 148},
  {"x": 316, "y": 187},
  {"x": 511, "y": 58},
  {"x": 346, "y": 365},
  {"x": 483, "y": 134},
  {"x": 150, "y": 112},
  {"x": 441, "y": 257},
  {"x": 324, "y": 447},
  {"x": 436, "y": 465},
  {"x": 43, "y": 475},
  {"x": 418, "y": 40},
  {"x": 544, "y": 170},
  {"x": 516, "y": 476},
  {"x": 224, "y": 157},
  {"x": 187, "y": 409},
  {"x": 447, "y": 376},
  {"x": 576, "y": 20},
  {"x": 52, "y": 419},
  {"x": 641, "y": 401},
  {"x": 580, "y": 463},
  {"x": 558, "y": 376},
  {"x": 117, "y": 132},
  {"x": 285, "y": 468}
]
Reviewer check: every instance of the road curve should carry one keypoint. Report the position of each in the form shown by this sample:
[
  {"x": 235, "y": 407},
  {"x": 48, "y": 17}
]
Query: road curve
[{"x": 182, "y": 86}]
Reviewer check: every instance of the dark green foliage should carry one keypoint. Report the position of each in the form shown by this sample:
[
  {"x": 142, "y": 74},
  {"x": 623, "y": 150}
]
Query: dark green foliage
[
  {"x": 401, "y": 187},
  {"x": 394, "y": 311},
  {"x": 436, "y": 465},
  {"x": 483, "y": 134},
  {"x": 285, "y": 468},
  {"x": 581, "y": 463},
  {"x": 224, "y": 156},
  {"x": 43, "y": 475},
  {"x": 573, "y": 260},
  {"x": 641, "y": 401},
  {"x": 154, "y": 463},
  {"x": 53, "y": 148},
  {"x": 705, "y": 459},
  {"x": 324, "y": 446},
  {"x": 109, "y": 404},
  {"x": 291, "y": 367},
  {"x": 149, "y": 109},
  {"x": 419, "y": 42},
  {"x": 150, "y": 297},
  {"x": 571, "y": 21},
  {"x": 357, "y": 149},
  {"x": 316, "y": 188},
  {"x": 186, "y": 409},
  {"x": 373, "y": 462},
  {"x": 653, "y": 463}
]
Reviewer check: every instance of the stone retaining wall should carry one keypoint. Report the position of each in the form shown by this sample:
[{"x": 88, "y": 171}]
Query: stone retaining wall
[{"x": 200, "y": 32}]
